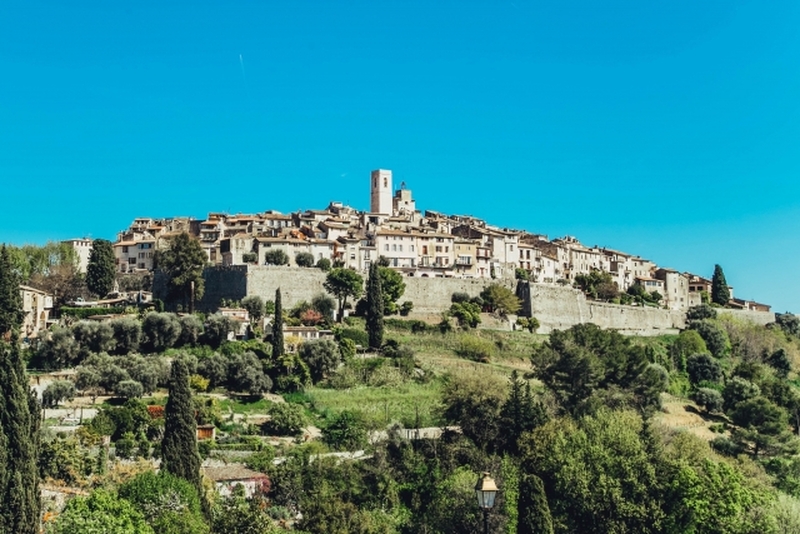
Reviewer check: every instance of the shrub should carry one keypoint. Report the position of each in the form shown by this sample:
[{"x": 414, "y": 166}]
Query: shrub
[
  {"x": 254, "y": 306},
  {"x": 346, "y": 431},
  {"x": 702, "y": 367},
  {"x": 304, "y": 259},
  {"x": 324, "y": 264},
  {"x": 217, "y": 328},
  {"x": 347, "y": 348},
  {"x": 160, "y": 331},
  {"x": 321, "y": 356},
  {"x": 475, "y": 348},
  {"x": 468, "y": 314},
  {"x": 191, "y": 331},
  {"x": 714, "y": 335},
  {"x": 56, "y": 392},
  {"x": 249, "y": 257},
  {"x": 459, "y": 296},
  {"x": 687, "y": 343},
  {"x": 500, "y": 299},
  {"x": 701, "y": 312},
  {"x": 709, "y": 399},
  {"x": 276, "y": 257},
  {"x": 357, "y": 335},
  {"x": 285, "y": 420},
  {"x": 406, "y": 307},
  {"x": 127, "y": 333},
  {"x": 128, "y": 389}
]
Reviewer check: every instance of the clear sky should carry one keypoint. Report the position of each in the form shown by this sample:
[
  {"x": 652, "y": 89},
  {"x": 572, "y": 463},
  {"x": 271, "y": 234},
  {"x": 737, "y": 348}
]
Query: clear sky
[{"x": 665, "y": 129}]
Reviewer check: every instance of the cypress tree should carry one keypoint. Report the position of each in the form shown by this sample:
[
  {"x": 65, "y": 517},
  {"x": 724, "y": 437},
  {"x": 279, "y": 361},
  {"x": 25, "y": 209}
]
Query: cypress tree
[
  {"x": 532, "y": 508},
  {"x": 179, "y": 454},
  {"x": 20, "y": 504},
  {"x": 100, "y": 271},
  {"x": 277, "y": 327},
  {"x": 374, "y": 308},
  {"x": 11, "y": 313},
  {"x": 720, "y": 294}
]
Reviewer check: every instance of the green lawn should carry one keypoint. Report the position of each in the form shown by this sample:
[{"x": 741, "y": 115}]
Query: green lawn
[{"x": 382, "y": 405}]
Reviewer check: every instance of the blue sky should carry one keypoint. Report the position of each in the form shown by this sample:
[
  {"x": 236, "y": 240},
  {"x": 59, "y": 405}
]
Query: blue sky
[{"x": 666, "y": 129}]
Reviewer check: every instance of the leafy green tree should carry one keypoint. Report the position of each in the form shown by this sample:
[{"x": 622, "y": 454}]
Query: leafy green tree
[
  {"x": 789, "y": 323},
  {"x": 277, "y": 327},
  {"x": 701, "y": 312},
  {"x": 100, "y": 272},
  {"x": 237, "y": 515},
  {"x": 519, "y": 413},
  {"x": 216, "y": 330},
  {"x": 375, "y": 308},
  {"x": 183, "y": 263},
  {"x": 160, "y": 331},
  {"x": 467, "y": 313},
  {"x": 687, "y": 343},
  {"x": 324, "y": 264},
  {"x": 649, "y": 385},
  {"x": 720, "y": 294},
  {"x": 709, "y": 399},
  {"x": 500, "y": 299},
  {"x": 170, "y": 504},
  {"x": 703, "y": 368},
  {"x": 276, "y": 257},
  {"x": 254, "y": 306},
  {"x": 343, "y": 283},
  {"x": 474, "y": 403},
  {"x": 780, "y": 361},
  {"x": 738, "y": 390},
  {"x": 56, "y": 392},
  {"x": 532, "y": 508},
  {"x": 764, "y": 425},
  {"x": 324, "y": 305},
  {"x": 715, "y": 336},
  {"x": 597, "y": 473},
  {"x": 11, "y": 314},
  {"x": 246, "y": 373},
  {"x": 93, "y": 337},
  {"x": 322, "y": 357},
  {"x": 392, "y": 288},
  {"x": 597, "y": 284},
  {"x": 285, "y": 420},
  {"x": 58, "y": 350},
  {"x": 127, "y": 335},
  {"x": 129, "y": 389},
  {"x": 304, "y": 259},
  {"x": 191, "y": 331},
  {"x": 346, "y": 432},
  {"x": 179, "y": 445},
  {"x": 100, "y": 512}
]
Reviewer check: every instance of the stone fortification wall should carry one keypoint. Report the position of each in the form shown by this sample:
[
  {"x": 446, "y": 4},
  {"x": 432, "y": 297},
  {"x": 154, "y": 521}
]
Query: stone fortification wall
[
  {"x": 758, "y": 317},
  {"x": 558, "y": 307},
  {"x": 432, "y": 295},
  {"x": 223, "y": 283},
  {"x": 296, "y": 284}
]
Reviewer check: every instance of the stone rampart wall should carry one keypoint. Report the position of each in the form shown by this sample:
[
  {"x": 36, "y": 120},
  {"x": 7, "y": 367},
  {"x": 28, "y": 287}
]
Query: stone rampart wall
[
  {"x": 556, "y": 307},
  {"x": 758, "y": 317}
]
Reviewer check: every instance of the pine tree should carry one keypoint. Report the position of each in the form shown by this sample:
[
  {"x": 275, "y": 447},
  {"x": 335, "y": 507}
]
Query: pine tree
[
  {"x": 179, "y": 454},
  {"x": 720, "y": 293},
  {"x": 277, "y": 327},
  {"x": 100, "y": 271},
  {"x": 374, "y": 308},
  {"x": 20, "y": 504},
  {"x": 532, "y": 508}
]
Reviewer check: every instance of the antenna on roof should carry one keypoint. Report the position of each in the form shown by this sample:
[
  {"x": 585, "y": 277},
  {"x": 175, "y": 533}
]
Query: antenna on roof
[{"x": 402, "y": 185}]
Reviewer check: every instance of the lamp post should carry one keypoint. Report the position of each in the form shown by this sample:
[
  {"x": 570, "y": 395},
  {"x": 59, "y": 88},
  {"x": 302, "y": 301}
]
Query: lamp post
[{"x": 486, "y": 491}]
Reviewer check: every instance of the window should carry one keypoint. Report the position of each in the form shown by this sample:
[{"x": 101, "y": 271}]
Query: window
[
  {"x": 412, "y": 248},
  {"x": 125, "y": 250},
  {"x": 394, "y": 248},
  {"x": 386, "y": 247},
  {"x": 401, "y": 248}
]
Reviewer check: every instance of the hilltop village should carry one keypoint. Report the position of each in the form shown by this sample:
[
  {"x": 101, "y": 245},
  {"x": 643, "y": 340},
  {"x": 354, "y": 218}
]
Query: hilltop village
[{"x": 418, "y": 244}]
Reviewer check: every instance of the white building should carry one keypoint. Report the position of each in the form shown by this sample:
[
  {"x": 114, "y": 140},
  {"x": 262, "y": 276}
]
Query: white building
[{"x": 381, "y": 192}]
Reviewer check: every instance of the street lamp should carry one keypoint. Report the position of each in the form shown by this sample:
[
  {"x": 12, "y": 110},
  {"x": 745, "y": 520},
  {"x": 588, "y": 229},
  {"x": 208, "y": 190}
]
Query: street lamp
[{"x": 486, "y": 491}]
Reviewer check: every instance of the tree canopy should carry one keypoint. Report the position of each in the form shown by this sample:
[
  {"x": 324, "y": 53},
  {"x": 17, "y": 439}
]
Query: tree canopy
[
  {"x": 343, "y": 283},
  {"x": 183, "y": 262},
  {"x": 720, "y": 293}
]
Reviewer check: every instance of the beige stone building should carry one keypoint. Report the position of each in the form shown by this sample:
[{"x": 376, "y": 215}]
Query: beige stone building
[
  {"x": 36, "y": 305},
  {"x": 83, "y": 249},
  {"x": 676, "y": 288}
]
